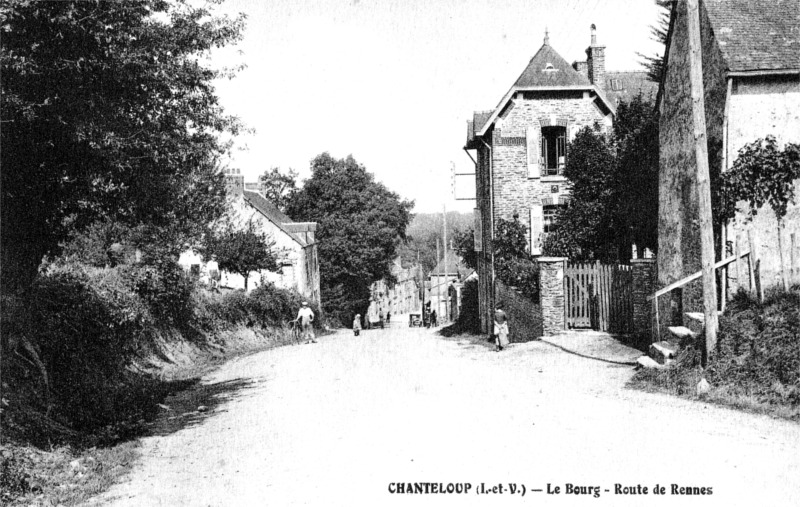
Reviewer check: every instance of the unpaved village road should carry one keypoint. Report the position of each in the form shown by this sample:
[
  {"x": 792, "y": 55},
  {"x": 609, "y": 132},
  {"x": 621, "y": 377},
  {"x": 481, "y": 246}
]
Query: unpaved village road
[{"x": 335, "y": 423}]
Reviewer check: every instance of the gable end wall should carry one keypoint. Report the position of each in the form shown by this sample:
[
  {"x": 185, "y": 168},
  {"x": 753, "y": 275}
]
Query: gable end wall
[{"x": 679, "y": 252}]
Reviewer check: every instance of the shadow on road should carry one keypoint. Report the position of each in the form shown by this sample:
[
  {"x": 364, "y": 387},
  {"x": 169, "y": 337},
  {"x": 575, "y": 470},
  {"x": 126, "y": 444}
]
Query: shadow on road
[{"x": 194, "y": 403}]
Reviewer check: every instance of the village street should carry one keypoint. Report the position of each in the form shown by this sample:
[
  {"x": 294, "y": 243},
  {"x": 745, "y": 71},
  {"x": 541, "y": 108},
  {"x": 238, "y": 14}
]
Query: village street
[{"x": 340, "y": 421}]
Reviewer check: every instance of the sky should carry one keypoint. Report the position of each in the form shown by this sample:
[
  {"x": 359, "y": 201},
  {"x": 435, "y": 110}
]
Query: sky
[{"x": 394, "y": 82}]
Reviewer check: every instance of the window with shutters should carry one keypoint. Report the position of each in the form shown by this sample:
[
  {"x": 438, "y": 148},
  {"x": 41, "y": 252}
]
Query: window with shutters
[{"x": 554, "y": 150}]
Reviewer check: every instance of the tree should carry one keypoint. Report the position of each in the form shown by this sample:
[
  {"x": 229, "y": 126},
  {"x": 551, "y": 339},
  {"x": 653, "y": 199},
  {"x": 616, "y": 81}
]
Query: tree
[
  {"x": 655, "y": 63},
  {"x": 241, "y": 250},
  {"x": 585, "y": 228},
  {"x": 762, "y": 174},
  {"x": 636, "y": 177},
  {"x": 465, "y": 247},
  {"x": 278, "y": 187},
  {"x": 614, "y": 189},
  {"x": 109, "y": 113},
  {"x": 423, "y": 233},
  {"x": 361, "y": 224},
  {"x": 513, "y": 263}
]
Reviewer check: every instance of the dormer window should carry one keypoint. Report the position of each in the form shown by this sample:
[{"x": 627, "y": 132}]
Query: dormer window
[{"x": 549, "y": 68}]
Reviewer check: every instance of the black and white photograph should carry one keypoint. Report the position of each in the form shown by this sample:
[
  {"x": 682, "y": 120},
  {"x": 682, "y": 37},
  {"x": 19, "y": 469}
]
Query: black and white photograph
[{"x": 459, "y": 253}]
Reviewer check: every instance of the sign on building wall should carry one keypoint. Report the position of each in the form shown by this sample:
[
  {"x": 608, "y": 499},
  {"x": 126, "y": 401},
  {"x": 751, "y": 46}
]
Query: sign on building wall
[{"x": 478, "y": 230}]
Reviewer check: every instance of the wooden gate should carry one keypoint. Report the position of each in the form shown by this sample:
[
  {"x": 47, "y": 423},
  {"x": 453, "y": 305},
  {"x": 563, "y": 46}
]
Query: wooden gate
[{"x": 599, "y": 296}]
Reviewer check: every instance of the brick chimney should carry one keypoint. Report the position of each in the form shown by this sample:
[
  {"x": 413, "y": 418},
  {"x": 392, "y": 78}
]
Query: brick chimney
[
  {"x": 596, "y": 61},
  {"x": 234, "y": 183}
]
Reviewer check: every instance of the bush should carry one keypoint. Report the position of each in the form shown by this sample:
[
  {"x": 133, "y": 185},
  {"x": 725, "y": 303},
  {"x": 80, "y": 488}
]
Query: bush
[
  {"x": 166, "y": 288},
  {"x": 758, "y": 347},
  {"x": 520, "y": 273},
  {"x": 757, "y": 361},
  {"x": 469, "y": 318},
  {"x": 87, "y": 323},
  {"x": 271, "y": 306}
]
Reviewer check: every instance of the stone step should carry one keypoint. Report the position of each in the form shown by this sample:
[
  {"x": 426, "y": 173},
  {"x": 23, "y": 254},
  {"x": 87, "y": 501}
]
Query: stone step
[
  {"x": 648, "y": 362},
  {"x": 683, "y": 336},
  {"x": 696, "y": 321},
  {"x": 664, "y": 352}
]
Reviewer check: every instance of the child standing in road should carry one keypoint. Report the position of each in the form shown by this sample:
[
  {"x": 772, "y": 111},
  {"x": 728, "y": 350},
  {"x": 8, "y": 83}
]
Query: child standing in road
[{"x": 357, "y": 324}]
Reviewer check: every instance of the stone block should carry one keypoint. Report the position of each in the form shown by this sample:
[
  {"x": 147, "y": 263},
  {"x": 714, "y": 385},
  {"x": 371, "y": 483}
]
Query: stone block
[
  {"x": 664, "y": 352},
  {"x": 648, "y": 362}
]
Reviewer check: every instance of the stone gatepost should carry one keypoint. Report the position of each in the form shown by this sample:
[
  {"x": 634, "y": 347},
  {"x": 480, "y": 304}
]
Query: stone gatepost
[
  {"x": 644, "y": 285},
  {"x": 551, "y": 294}
]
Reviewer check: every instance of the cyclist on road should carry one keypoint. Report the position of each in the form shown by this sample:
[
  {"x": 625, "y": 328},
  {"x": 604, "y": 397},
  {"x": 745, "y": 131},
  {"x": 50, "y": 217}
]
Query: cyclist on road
[{"x": 306, "y": 317}]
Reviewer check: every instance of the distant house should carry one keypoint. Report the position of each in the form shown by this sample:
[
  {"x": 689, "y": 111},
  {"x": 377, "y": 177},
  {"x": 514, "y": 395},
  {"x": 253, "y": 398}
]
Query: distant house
[
  {"x": 751, "y": 75},
  {"x": 295, "y": 244},
  {"x": 521, "y": 146}
]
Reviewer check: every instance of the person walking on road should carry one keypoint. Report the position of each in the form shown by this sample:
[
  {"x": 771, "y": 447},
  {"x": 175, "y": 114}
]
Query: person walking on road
[
  {"x": 500, "y": 329},
  {"x": 306, "y": 318},
  {"x": 357, "y": 324}
]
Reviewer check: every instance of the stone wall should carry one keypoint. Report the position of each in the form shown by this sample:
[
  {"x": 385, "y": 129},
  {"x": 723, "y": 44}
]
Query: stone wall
[
  {"x": 524, "y": 316},
  {"x": 551, "y": 294},
  {"x": 679, "y": 233}
]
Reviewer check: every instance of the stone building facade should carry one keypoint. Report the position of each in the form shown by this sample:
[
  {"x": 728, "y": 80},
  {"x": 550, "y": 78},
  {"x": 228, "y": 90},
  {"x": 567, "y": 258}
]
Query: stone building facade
[
  {"x": 521, "y": 147},
  {"x": 751, "y": 77}
]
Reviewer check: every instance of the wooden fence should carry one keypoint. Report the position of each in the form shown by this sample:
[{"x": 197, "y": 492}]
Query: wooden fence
[{"x": 599, "y": 296}]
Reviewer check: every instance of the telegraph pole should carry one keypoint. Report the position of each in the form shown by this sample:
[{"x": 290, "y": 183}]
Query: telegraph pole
[
  {"x": 444, "y": 244},
  {"x": 703, "y": 182},
  {"x": 438, "y": 286}
]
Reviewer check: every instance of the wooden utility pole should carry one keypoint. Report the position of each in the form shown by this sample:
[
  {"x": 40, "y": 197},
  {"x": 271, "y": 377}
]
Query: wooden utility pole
[
  {"x": 438, "y": 286},
  {"x": 703, "y": 180},
  {"x": 792, "y": 260},
  {"x": 446, "y": 316}
]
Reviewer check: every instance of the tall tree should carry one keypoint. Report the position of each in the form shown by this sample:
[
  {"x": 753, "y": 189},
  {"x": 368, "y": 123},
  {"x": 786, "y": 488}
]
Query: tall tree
[
  {"x": 361, "y": 223},
  {"x": 585, "y": 229},
  {"x": 655, "y": 63},
  {"x": 108, "y": 113},
  {"x": 278, "y": 187},
  {"x": 635, "y": 182}
]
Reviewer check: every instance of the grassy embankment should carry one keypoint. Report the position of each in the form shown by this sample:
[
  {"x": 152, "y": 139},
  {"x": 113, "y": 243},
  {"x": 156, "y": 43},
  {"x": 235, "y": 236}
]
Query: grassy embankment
[
  {"x": 756, "y": 366},
  {"x": 95, "y": 358}
]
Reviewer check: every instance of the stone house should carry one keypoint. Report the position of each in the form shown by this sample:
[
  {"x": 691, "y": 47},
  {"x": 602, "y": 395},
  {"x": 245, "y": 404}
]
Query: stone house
[
  {"x": 295, "y": 245},
  {"x": 751, "y": 78},
  {"x": 521, "y": 146}
]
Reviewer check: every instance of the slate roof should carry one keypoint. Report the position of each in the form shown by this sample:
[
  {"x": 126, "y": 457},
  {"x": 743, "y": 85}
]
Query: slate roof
[
  {"x": 623, "y": 86},
  {"x": 548, "y": 68},
  {"x": 479, "y": 119},
  {"x": 756, "y": 34},
  {"x": 271, "y": 213}
]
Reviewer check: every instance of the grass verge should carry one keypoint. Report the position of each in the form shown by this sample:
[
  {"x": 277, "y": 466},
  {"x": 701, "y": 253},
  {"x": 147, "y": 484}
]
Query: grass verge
[
  {"x": 71, "y": 468},
  {"x": 756, "y": 365}
]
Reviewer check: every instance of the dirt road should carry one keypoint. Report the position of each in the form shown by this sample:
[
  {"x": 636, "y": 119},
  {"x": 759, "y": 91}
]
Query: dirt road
[{"x": 345, "y": 421}]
